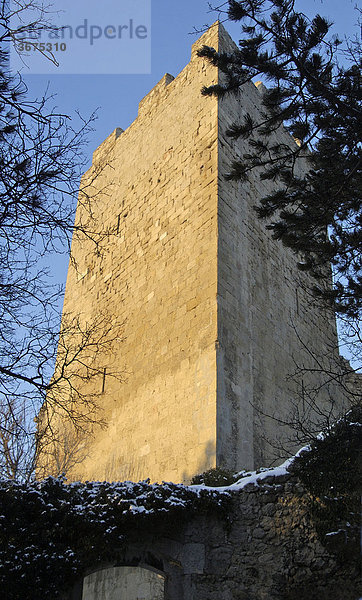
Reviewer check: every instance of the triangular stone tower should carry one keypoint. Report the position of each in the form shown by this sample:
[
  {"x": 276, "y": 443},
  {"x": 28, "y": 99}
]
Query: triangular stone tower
[{"x": 216, "y": 313}]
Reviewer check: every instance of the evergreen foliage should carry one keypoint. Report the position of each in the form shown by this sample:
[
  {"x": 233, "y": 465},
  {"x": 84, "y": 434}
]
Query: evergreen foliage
[
  {"x": 330, "y": 470},
  {"x": 315, "y": 91},
  {"x": 52, "y": 532},
  {"x": 216, "y": 477}
]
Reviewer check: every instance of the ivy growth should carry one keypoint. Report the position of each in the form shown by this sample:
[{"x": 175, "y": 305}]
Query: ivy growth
[
  {"x": 52, "y": 532},
  {"x": 330, "y": 470}
]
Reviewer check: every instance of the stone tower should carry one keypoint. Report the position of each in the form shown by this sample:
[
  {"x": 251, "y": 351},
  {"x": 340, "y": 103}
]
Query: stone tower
[{"x": 216, "y": 315}]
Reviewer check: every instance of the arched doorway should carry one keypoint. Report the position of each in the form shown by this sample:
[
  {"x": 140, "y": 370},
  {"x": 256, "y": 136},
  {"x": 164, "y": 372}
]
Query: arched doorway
[{"x": 124, "y": 583}]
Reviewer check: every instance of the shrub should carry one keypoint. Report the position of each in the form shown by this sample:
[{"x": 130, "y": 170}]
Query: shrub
[
  {"x": 330, "y": 471},
  {"x": 215, "y": 477}
]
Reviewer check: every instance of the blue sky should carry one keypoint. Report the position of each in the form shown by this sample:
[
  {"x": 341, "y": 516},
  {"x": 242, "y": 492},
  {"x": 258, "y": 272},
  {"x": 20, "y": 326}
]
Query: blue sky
[
  {"x": 173, "y": 23},
  {"x": 172, "y": 33}
]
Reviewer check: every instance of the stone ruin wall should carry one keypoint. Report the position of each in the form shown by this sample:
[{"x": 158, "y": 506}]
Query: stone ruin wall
[
  {"x": 269, "y": 325},
  {"x": 211, "y": 306},
  {"x": 265, "y": 548},
  {"x": 158, "y": 275}
]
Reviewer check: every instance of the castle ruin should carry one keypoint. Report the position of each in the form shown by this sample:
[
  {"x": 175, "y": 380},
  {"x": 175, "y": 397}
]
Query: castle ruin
[{"x": 217, "y": 317}]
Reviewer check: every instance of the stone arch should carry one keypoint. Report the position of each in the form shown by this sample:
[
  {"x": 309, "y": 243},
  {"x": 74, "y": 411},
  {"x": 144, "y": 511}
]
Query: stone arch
[
  {"x": 146, "y": 564},
  {"x": 131, "y": 582},
  {"x": 172, "y": 559}
]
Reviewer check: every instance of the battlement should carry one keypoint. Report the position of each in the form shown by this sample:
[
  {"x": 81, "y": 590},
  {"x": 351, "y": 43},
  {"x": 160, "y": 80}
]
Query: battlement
[
  {"x": 156, "y": 94},
  {"x": 106, "y": 146},
  {"x": 159, "y": 93},
  {"x": 216, "y": 37}
]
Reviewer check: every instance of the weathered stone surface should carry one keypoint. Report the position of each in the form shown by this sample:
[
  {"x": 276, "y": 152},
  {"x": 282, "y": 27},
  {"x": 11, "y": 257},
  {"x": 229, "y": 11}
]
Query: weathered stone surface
[
  {"x": 127, "y": 582},
  {"x": 193, "y": 558},
  {"x": 216, "y": 313},
  {"x": 227, "y": 559}
]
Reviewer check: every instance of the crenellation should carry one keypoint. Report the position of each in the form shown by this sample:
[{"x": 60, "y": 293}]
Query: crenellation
[
  {"x": 156, "y": 95},
  {"x": 106, "y": 146}
]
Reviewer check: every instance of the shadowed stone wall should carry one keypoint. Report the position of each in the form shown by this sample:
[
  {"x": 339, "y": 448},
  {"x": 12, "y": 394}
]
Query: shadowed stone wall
[{"x": 265, "y": 548}]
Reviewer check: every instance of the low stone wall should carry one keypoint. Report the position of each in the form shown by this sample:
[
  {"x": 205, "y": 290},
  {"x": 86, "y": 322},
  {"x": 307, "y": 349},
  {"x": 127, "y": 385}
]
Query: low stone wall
[{"x": 264, "y": 548}]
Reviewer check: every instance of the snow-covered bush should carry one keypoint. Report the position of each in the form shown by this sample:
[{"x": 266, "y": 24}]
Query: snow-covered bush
[
  {"x": 330, "y": 469},
  {"x": 215, "y": 477},
  {"x": 50, "y": 532}
]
